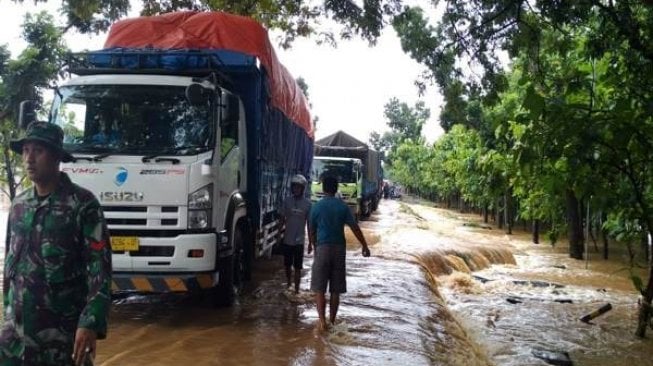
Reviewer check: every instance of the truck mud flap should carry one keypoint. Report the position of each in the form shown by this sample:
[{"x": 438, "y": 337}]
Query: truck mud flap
[{"x": 162, "y": 283}]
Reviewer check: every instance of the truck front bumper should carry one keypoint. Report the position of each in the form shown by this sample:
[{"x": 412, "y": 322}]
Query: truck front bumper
[
  {"x": 170, "y": 254},
  {"x": 161, "y": 283}
]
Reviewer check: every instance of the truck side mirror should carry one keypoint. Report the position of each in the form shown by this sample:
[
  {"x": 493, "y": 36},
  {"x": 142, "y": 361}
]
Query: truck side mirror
[
  {"x": 195, "y": 94},
  {"x": 26, "y": 113}
]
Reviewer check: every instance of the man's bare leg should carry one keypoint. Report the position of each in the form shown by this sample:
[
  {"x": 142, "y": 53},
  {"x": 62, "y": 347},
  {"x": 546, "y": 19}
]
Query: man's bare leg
[
  {"x": 288, "y": 276},
  {"x": 334, "y": 302},
  {"x": 320, "y": 300},
  {"x": 298, "y": 278}
]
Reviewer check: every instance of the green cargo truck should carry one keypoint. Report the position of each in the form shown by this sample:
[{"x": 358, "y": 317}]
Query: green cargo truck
[
  {"x": 348, "y": 172},
  {"x": 365, "y": 162}
]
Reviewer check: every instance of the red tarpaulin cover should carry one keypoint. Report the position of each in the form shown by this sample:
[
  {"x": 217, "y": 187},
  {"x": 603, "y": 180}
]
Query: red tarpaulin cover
[{"x": 216, "y": 30}]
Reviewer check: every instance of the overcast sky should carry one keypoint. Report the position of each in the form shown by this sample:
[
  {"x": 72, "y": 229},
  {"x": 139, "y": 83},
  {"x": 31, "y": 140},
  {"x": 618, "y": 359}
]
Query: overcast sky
[{"x": 348, "y": 85}]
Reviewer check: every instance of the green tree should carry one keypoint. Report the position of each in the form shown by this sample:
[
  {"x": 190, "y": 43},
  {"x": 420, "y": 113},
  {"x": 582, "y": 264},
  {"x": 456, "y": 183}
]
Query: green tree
[
  {"x": 25, "y": 77},
  {"x": 405, "y": 123},
  {"x": 304, "y": 87},
  {"x": 292, "y": 17},
  {"x": 575, "y": 115}
]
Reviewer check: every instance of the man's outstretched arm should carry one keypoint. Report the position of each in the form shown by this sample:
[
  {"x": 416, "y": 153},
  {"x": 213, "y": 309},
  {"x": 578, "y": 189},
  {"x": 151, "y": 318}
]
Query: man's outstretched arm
[{"x": 361, "y": 238}]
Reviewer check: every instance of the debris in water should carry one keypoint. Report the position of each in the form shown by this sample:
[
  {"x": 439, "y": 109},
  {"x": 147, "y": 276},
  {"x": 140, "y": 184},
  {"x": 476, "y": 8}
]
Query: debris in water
[
  {"x": 520, "y": 299},
  {"x": 477, "y": 225},
  {"x": 564, "y": 301},
  {"x": 492, "y": 318},
  {"x": 514, "y": 300},
  {"x": 559, "y": 358},
  {"x": 596, "y": 313},
  {"x": 538, "y": 283},
  {"x": 481, "y": 279}
]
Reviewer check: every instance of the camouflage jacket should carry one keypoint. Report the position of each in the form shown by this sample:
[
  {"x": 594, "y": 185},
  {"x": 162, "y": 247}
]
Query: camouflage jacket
[{"x": 57, "y": 275}]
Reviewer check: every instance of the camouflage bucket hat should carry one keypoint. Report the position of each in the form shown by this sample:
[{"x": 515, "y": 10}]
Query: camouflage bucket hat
[{"x": 46, "y": 133}]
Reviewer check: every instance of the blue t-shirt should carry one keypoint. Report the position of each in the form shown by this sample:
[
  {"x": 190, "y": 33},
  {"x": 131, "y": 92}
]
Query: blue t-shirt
[{"x": 329, "y": 216}]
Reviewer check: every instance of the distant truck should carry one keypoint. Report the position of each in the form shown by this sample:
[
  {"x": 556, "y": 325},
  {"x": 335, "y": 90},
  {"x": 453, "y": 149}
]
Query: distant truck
[
  {"x": 370, "y": 179},
  {"x": 188, "y": 130},
  {"x": 350, "y": 178}
]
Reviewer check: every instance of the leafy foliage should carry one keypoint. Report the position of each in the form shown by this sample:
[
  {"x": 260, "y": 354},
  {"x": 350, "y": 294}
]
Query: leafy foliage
[
  {"x": 568, "y": 124},
  {"x": 405, "y": 124},
  {"x": 25, "y": 77},
  {"x": 292, "y": 18}
]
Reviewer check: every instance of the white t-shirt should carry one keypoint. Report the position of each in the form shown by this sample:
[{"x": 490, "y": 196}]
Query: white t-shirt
[{"x": 296, "y": 211}]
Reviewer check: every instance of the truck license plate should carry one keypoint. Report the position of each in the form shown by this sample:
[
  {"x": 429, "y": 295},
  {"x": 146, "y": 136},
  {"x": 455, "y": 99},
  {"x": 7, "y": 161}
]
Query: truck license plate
[{"x": 124, "y": 243}]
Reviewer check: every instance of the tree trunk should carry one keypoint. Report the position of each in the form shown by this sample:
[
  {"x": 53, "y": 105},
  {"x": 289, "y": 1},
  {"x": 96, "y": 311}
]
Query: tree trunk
[
  {"x": 604, "y": 235},
  {"x": 536, "y": 231},
  {"x": 499, "y": 213},
  {"x": 575, "y": 224},
  {"x": 644, "y": 313},
  {"x": 485, "y": 213},
  {"x": 10, "y": 175},
  {"x": 507, "y": 210}
]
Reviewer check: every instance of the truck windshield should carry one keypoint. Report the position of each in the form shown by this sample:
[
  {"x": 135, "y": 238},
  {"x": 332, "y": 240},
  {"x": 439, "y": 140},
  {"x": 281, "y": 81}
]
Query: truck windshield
[
  {"x": 132, "y": 119},
  {"x": 341, "y": 169}
]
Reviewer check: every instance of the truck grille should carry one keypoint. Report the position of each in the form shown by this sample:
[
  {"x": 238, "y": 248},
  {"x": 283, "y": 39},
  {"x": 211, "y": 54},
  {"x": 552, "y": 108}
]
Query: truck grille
[
  {"x": 145, "y": 217},
  {"x": 152, "y": 251},
  {"x": 345, "y": 196}
]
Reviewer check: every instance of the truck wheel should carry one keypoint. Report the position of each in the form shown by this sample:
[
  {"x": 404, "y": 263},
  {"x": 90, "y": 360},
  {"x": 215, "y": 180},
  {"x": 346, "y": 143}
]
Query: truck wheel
[
  {"x": 231, "y": 274},
  {"x": 375, "y": 204},
  {"x": 224, "y": 293},
  {"x": 365, "y": 210},
  {"x": 244, "y": 254}
]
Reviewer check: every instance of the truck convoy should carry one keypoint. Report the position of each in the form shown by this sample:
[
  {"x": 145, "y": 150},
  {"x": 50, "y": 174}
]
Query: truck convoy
[
  {"x": 357, "y": 167},
  {"x": 188, "y": 130}
]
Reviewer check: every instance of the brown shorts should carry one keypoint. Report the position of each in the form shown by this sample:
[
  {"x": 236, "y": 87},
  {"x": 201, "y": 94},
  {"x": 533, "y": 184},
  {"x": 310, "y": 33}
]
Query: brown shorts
[{"x": 329, "y": 269}]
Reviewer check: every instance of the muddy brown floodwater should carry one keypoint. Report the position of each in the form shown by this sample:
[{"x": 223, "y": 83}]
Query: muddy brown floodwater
[{"x": 436, "y": 291}]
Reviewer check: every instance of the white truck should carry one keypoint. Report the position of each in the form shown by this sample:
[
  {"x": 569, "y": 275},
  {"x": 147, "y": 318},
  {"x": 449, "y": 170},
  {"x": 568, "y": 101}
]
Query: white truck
[{"x": 190, "y": 151}]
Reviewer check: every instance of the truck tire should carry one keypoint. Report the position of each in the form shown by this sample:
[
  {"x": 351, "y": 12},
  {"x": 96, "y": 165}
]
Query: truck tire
[
  {"x": 244, "y": 253},
  {"x": 375, "y": 203},
  {"x": 365, "y": 209},
  {"x": 224, "y": 293},
  {"x": 231, "y": 274}
]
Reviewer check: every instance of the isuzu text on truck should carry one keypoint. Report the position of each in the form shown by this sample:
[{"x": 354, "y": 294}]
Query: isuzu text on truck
[{"x": 188, "y": 130}]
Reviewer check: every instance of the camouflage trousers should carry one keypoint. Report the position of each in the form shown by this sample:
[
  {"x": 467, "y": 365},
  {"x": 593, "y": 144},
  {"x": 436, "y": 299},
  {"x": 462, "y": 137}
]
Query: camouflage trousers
[{"x": 48, "y": 347}]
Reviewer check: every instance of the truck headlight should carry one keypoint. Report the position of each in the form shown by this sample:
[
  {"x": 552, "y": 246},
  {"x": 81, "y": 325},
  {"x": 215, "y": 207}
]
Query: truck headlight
[
  {"x": 198, "y": 219},
  {"x": 200, "y": 203},
  {"x": 201, "y": 198}
]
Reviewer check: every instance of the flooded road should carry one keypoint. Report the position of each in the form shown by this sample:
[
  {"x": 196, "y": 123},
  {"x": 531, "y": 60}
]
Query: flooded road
[
  {"x": 439, "y": 289},
  {"x": 389, "y": 316}
]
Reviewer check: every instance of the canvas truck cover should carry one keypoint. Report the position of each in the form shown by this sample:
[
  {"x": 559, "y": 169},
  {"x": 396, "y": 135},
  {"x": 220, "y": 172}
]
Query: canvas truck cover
[
  {"x": 216, "y": 31},
  {"x": 343, "y": 145}
]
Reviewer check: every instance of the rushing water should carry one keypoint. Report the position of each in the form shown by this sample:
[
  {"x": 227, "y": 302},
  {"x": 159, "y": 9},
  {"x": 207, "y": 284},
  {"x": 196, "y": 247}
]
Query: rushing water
[
  {"x": 514, "y": 311},
  {"x": 436, "y": 291}
]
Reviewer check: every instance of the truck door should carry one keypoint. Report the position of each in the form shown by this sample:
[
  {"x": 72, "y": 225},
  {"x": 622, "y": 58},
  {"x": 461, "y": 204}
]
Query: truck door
[{"x": 230, "y": 151}]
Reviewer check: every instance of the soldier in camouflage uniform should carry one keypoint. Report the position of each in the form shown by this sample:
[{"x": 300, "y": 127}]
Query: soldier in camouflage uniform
[{"x": 57, "y": 271}]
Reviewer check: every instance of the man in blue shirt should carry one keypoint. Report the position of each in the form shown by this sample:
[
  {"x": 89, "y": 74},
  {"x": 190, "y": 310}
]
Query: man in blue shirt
[{"x": 327, "y": 230}]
